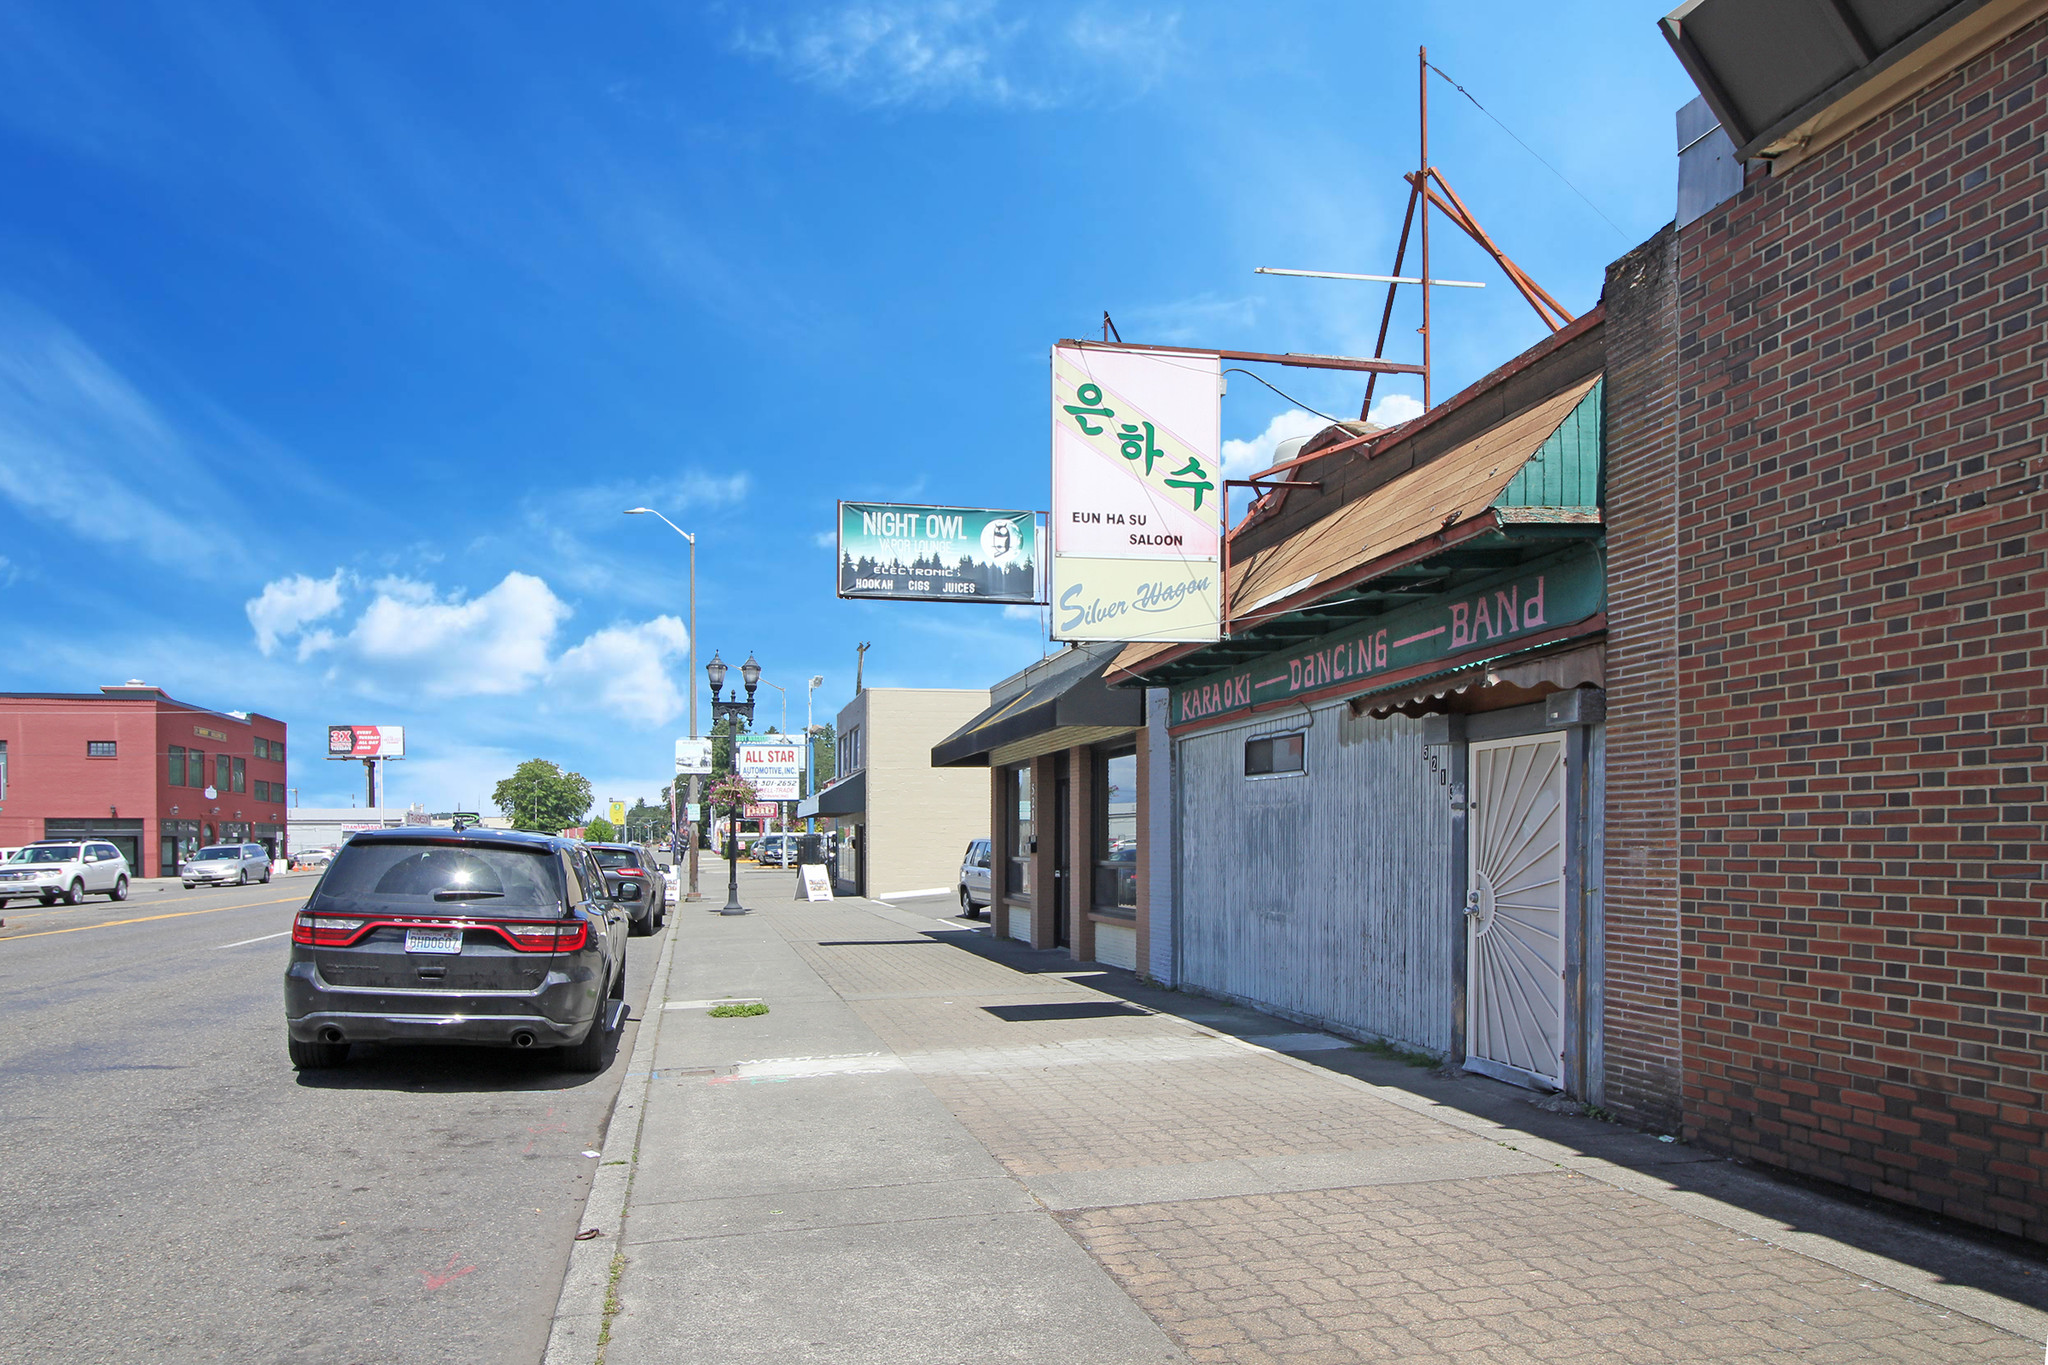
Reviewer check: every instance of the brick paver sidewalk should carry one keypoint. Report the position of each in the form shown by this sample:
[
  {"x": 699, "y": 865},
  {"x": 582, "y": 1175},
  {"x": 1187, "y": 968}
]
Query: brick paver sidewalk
[{"x": 1260, "y": 1208}]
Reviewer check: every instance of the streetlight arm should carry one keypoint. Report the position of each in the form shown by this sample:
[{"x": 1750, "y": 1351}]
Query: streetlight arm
[{"x": 633, "y": 511}]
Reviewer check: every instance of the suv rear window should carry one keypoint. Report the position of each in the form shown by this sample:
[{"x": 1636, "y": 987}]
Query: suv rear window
[
  {"x": 442, "y": 879},
  {"x": 615, "y": 857}
]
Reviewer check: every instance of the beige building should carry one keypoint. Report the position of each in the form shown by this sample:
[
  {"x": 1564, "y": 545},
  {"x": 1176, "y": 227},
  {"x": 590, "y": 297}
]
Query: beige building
[{"x": 903, "y": 824}]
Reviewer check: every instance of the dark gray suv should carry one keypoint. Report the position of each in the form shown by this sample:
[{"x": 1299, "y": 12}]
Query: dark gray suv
[{"x": 486, "y": 937}]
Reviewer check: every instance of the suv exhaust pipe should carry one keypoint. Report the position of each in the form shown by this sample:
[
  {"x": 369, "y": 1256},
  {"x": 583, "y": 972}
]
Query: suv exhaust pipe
[
  {"x": 330, "y": 1034},
  {"x": 522, "y": 1039}
]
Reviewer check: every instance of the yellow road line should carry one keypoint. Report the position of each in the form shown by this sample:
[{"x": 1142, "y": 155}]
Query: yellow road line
[{"x": 144, "y": 919}]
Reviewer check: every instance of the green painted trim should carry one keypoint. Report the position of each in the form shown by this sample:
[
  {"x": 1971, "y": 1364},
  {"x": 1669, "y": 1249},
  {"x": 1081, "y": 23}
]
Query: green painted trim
[{"x": 1565, "y": 470}]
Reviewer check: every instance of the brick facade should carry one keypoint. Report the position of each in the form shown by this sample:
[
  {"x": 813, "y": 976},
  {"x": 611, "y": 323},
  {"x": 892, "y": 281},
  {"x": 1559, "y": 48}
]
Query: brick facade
[
  {"x": 1639, "y": 894},
  {"x": 1861, "y": 600}
]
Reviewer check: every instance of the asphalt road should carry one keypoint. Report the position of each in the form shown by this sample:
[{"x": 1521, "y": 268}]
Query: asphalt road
[{"x": 173, "y": 1191}]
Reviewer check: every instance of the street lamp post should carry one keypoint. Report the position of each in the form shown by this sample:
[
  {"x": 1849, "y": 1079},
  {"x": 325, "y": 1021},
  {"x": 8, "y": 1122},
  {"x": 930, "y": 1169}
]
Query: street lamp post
[
  {"x": 810, "y": 746},
  {"x": 673, "y": 824},
  {"x": 737, "y": 712}
]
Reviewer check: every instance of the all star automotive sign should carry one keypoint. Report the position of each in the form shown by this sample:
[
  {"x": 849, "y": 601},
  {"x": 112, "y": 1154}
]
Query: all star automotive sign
[
  {"x": 1137, "y": 494},
  {"x": 366, "y": 741},
  {"x": 772, "y": 765}
]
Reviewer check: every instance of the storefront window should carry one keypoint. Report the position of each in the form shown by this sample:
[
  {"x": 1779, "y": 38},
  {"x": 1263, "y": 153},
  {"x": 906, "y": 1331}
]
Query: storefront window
[
  {"x": 1116, "y": 834},
  {"x": 1023, "y": 839}
]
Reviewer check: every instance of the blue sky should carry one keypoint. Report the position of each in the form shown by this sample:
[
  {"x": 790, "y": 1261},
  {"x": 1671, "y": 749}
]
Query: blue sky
[{"x": 335, "y": 339}]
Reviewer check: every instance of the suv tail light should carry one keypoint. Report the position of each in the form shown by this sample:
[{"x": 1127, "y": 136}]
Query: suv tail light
[
  {"x": 526, "y": 936},
  {"x": 551, "y": 936},
  {"x": 630, "y": 871},
  {"x": 327, "y": 931}
]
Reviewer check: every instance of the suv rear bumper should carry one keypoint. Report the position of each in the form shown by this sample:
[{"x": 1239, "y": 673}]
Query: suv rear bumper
[{"x": 556, "y": 1013}]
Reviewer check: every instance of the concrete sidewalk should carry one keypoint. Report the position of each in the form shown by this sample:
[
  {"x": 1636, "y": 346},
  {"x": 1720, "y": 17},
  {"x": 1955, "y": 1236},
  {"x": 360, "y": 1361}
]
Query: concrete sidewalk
[{"x": 937, "y": 1147}]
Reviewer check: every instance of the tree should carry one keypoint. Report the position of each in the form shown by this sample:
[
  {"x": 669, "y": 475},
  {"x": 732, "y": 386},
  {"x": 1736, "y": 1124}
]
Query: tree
[
  {"x": 648, "y": 824},
  {"x": 541, "y": 797},
  {"x": 601, "y": 831},
  {"x": 824, "y": 754}
]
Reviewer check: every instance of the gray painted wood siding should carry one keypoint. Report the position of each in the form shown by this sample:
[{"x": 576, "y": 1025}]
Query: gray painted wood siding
[{"x": 1326, "y": 896}]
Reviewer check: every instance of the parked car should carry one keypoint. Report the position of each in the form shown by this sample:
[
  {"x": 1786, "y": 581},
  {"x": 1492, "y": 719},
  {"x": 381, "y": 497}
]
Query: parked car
[
  {"x": 626, "y": 862},
  {"x": 313, "y": 857},
  {"x": 776, "y": 850},
  {"x": 976, "y": 884},
  {"x": 69, "y": 871},
  {"x": 217, "y": 864},
  {"x": 493, "y": 938}
]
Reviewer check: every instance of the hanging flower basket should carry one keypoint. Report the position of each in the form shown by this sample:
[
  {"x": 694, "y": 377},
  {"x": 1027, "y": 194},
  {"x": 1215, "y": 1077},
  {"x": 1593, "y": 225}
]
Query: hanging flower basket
[{"x": 732, "y": 791}]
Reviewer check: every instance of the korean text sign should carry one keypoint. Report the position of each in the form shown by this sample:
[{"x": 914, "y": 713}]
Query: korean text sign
[
  {"x": 1137, "y": 494},
  {"x": 937, "y": 554},
  {"x": 366, "y": 741},
  {"x": 772, "y": 766}
]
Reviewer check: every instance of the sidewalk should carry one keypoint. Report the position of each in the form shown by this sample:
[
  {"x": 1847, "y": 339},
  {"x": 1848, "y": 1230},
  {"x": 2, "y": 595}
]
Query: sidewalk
[{"x": 941, "y": 1148}]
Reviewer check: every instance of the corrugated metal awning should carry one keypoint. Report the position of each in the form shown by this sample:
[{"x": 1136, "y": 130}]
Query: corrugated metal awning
[
  {"x": 1033, "y": 721},
  {"x": 1545, "y": 670}
]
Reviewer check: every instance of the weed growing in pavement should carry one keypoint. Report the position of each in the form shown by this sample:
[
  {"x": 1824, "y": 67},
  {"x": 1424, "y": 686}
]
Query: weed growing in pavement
[
  {"x": 611, "y": 1305},
  {"x": 738, "y": 1011},
  {"x": 1380, "y": 1047}
]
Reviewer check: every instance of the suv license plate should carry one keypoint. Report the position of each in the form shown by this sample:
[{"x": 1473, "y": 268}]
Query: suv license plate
[{"x": 433, "y": 940}]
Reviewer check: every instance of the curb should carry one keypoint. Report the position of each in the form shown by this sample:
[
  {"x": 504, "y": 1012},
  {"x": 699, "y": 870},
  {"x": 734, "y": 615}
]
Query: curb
[{"x": 579, "y": 1312}]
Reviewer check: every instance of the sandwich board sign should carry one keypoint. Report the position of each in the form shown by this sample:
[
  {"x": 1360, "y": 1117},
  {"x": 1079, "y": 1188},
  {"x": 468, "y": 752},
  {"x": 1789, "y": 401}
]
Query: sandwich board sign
[{"x": 817, "y": 882}]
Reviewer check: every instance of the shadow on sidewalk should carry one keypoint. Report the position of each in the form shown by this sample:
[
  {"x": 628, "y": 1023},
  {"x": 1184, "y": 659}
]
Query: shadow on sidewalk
[{"x": 1953, "y": 1252}]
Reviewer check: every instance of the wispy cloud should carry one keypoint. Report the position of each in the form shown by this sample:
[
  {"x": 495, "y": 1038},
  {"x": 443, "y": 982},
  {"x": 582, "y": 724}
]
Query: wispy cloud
[
  {"x": 910, "y": 54},
  {"x": 80, "y": 445},
  {"x": 288, "y": 605}
]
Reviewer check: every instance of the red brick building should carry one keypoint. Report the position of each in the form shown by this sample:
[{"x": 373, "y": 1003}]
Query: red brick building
[
  {"x": 155, "y": 777},
  {"x": 1860, "y": 595}
]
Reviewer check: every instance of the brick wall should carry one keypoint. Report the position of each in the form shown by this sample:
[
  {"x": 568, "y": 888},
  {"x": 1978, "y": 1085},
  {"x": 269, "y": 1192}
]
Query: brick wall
[
  {"x": 1862, "y": 598},
  {"x": 1640, "y": 1023}
]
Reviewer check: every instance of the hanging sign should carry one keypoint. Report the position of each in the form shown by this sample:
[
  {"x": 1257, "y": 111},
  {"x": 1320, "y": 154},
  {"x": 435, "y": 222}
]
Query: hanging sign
[
  {"x": 910, "y": 552},
  {"x": 693, "y": 757},
  {"x": 1137, "y": 494},
  {"x": 1456, "y": 628}
]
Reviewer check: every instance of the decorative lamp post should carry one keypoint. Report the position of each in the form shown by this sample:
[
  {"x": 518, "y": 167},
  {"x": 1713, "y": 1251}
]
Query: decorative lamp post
[
  {"x": 740, "y": 715},
  {"x": 735, "y": 793}
]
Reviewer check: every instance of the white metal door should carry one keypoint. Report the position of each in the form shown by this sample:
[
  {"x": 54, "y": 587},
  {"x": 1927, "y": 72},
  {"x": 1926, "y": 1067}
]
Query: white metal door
[{"x": 1514, "y": 909}]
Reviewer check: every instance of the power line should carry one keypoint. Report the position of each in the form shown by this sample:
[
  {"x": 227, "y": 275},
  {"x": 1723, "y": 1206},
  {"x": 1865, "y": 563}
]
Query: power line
[
  {"x": 1527, "y": 148},
  {"x": 1233, "y": 369}
]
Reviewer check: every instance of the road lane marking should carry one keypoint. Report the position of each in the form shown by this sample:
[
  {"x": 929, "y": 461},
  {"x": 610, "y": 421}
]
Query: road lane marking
[
  {"x": 260, "y": 938},
  {"x": 144, "y": 919}
]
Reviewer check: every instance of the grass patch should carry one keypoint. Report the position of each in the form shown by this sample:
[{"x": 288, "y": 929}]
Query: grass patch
[
  {"x": 611, "y": 1306},
  {"x": 1395, "y": 1053},
  {"x": 738, "y": 1011}
]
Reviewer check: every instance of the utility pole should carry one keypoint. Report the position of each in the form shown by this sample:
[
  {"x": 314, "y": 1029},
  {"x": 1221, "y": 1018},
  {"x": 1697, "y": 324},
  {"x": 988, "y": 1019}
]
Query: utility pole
[{"x": 860, "y": 662}]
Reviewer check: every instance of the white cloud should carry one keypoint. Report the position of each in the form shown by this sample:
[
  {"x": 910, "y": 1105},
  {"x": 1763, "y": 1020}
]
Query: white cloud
[
  {"x": 1020, "y": 612},
  {"x": 626, "y": 670},
  {"x": 288, "y": 605},
  {"x": 492, "y": 645},
  {"x": 1248, "y": 457},
  {"x": 897, "y": 53},
  {"x": 1395, "y": 409},
  {"x": 825, "y": 540}
]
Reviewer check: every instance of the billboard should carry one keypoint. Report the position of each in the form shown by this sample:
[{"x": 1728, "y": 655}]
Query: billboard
[
  {"x": 366, "y": 741},
  {"x": 774, "y": 767},
  {"x": 1137, "y": 494},
  {"x": 911, "y": 552}
]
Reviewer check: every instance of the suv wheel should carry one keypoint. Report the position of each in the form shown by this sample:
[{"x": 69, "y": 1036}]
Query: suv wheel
[
  {"x": 242, "y": 877},
  {"x": 73, "y": 893},
  {"x": 966, "y": 903},
  {"x": 266, "y": 874},
  {"x": 315, "y": 1056},
  {"x": 588, "y": 1055},
  {"x": 120, "y": 891}
]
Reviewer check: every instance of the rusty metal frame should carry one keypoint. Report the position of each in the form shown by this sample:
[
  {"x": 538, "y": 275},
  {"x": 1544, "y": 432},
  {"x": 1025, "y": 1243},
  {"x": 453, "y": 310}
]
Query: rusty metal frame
[{"x": 1298, "y": 360}]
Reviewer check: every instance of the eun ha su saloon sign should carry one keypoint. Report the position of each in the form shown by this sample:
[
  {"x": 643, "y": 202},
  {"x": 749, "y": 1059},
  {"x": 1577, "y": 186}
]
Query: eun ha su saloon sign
[{"x": 1471, "y": 621}]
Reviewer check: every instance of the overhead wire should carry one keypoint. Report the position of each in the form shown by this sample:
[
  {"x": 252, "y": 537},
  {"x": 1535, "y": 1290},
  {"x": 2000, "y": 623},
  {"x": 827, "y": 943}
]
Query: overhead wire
[
  {"x": 1526, "y": 147},
  {"x": 1234, "y": 369}
]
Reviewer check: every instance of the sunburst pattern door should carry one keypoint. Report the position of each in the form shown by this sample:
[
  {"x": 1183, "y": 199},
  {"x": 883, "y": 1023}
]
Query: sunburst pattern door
[{"x": 1514, "y": 913}]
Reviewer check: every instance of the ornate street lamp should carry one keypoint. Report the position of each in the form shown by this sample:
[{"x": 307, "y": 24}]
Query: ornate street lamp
[{"x": 740, "y": 714}]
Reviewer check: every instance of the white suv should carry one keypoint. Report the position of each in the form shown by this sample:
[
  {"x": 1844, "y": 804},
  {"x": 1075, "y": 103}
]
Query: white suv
[
  {"x": 219, "y": 863},
  {"x": 58, "y": 870}
]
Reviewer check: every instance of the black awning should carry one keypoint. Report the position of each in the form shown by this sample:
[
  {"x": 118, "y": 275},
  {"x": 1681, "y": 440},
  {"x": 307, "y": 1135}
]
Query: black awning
[
  {"x": 1071, "y": 692},
  {"x": 849, "y": 797}
]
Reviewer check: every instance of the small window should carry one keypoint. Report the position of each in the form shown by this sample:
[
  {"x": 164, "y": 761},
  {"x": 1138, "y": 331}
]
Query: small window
[
  {"x": 241, "y": 775},
  {"x": 223, "y": 770},
  {"x": 1274, "y": 755},
  {"x": 195, "y": 767},
  {"x": 262, "y": 790},
  {"x": 177, "y": 773},
  {"x": 277, "y": 751},
  {"x": 99, "y": 748}
]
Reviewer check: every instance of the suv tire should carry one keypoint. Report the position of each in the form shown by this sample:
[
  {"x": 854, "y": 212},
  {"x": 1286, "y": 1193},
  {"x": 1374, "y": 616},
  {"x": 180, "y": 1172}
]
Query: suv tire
[
  {"x": 242, "y": 877},
  {"x": 120, "y": 891},
  {"x": 966, "y": 904},
  {"x": 74, "y": 893},
  {"x": 588, "y": 1055},
  {"x": 266, "y": 874},
  {"x": 315, "y": 1056}
]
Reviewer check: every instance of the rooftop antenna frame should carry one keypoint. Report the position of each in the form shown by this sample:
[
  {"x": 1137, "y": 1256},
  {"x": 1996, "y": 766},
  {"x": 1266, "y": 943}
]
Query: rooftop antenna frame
[{"x": 1426, "y": 187}]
